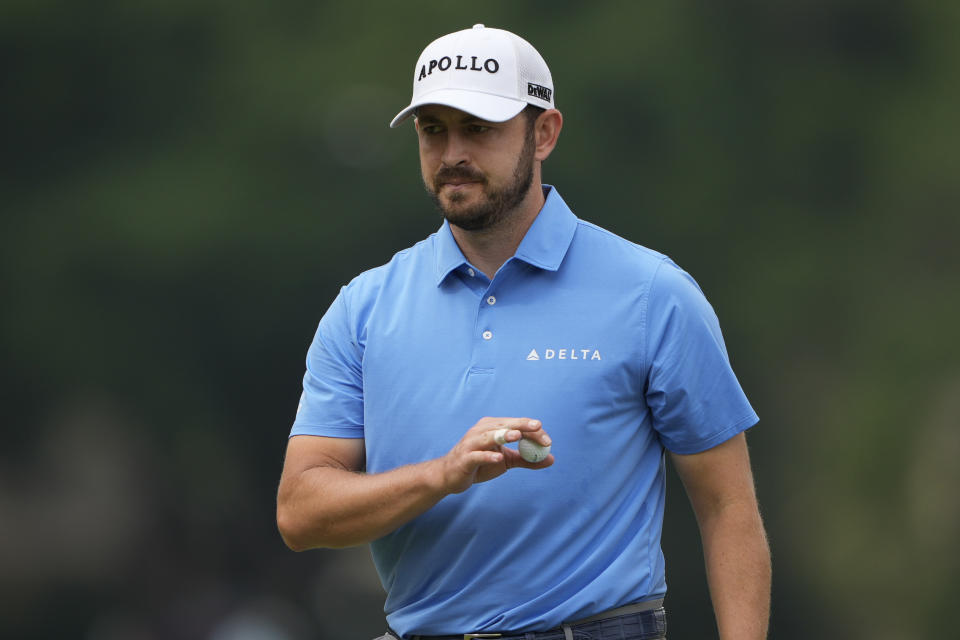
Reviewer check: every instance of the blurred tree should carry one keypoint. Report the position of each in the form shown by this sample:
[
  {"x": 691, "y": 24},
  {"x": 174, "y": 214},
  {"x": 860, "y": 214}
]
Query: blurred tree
[{"x": 185, "y": 185}]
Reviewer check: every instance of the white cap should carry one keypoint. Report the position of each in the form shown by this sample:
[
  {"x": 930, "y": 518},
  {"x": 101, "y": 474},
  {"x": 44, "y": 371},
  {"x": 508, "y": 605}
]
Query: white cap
[{"x": 489, "y": 73}]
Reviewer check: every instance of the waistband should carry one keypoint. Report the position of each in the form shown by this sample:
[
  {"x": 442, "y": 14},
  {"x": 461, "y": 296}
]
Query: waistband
[{"x": 647, "y": 620}]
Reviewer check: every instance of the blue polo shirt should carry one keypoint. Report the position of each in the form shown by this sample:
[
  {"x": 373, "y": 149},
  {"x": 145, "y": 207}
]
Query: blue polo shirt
[{"x": 611, "y": 345}]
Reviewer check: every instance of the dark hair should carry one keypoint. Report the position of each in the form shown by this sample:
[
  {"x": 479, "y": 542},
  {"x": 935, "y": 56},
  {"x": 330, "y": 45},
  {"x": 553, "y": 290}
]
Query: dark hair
[{"x": 532, "y": 112}]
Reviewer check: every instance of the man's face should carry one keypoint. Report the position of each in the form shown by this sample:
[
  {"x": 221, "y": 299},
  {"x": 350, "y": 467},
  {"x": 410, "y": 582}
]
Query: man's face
[{"x": 477, "y": 172}]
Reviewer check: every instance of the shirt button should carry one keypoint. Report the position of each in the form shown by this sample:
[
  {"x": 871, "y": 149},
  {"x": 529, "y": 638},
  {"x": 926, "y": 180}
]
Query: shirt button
[
  {"x": 487, "y": 335},
  {"x": 491, "y": 300},
  {"x": 471, "y": 272}
]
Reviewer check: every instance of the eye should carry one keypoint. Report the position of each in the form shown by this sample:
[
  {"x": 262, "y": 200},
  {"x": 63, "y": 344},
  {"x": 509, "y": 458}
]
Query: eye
[
  {"x": 477, "y": 128},
  {"x": 431, "y": 129}
]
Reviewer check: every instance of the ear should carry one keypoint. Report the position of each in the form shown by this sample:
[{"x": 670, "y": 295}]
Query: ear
[{"x": 546, "y": 130}]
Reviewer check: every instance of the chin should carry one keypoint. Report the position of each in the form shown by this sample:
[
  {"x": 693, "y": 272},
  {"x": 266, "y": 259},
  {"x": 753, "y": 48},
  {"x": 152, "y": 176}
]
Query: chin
[
  {"x": 460, "y": 204},
  {"x": 473, "y": 218}
]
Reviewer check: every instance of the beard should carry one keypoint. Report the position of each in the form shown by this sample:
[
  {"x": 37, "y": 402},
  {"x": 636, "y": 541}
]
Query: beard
[{"x": 495, "y": 204}]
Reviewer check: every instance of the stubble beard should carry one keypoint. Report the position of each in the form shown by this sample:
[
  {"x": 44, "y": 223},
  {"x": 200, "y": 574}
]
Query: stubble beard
[{"x": 495, "y": 205}]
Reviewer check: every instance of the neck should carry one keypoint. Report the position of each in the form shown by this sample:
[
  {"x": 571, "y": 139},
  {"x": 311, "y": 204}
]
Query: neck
[{"x": 487, "y": 249}]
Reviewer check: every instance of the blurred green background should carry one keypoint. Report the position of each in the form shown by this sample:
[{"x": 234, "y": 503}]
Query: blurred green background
[{"x": 185, "y": 186}]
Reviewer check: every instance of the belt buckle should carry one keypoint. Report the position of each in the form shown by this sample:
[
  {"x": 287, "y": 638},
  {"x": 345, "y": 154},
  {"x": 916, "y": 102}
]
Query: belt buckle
[{"x": 468, "y": 636}]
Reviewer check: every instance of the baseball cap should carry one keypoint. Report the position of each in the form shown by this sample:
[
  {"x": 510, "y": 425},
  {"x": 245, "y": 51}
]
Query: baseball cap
[{"x": 489, "y": 73}]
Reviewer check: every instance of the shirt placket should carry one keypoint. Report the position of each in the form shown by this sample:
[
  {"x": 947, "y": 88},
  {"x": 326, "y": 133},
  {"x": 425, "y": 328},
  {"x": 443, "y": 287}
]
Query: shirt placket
[{"x": 483, "y": 355}]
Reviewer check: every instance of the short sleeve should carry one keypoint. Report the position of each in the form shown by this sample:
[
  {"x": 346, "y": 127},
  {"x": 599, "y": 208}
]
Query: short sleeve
[
  {"x": 332, "y": 400},
  {"x": 694, "y": 397}
]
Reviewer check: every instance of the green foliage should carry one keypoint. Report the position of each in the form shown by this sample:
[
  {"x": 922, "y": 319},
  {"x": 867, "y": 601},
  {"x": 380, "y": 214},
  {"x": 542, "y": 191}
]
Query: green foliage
[{"x": 185, "y": 185}]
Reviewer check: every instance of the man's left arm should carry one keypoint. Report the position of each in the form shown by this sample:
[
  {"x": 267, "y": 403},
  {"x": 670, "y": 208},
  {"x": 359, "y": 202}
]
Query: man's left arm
[{"x": 720, "y": 486}]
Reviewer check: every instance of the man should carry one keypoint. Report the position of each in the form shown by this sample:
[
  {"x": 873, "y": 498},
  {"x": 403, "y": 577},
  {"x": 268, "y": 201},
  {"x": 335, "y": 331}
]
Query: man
[{"x": 603, "y": 349}]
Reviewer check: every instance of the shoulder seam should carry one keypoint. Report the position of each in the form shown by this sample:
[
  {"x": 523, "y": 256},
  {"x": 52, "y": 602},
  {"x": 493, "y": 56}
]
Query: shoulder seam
[
  {"x": 634, "y": 245},
  {"x": 399, "y": 254},
  {"x": 646, "y": 313}
]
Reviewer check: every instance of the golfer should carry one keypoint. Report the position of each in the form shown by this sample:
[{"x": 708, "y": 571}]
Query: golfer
[{"x": 519, "y": 320}]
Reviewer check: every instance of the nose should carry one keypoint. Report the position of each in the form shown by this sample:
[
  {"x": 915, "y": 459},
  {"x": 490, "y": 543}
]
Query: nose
[{"x": 454, "y": 150}]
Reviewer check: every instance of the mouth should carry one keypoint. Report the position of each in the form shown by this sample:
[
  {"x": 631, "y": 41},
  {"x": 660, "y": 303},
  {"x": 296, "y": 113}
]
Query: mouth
[
  {"x": 455, "y": 180},
  {"x": 458, "y": 185}
]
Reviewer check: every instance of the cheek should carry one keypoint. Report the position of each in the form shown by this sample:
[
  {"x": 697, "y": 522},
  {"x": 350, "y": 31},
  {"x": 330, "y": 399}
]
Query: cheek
[
  {"x": 428, "y": 157},
  {"x": 425, "y": 168},
  {"x": 427, "y": 171}
]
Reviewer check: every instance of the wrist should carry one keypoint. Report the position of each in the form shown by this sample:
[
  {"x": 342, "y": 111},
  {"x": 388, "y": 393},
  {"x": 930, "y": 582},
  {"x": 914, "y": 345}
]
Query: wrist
[{"x": 434, "y": 478}]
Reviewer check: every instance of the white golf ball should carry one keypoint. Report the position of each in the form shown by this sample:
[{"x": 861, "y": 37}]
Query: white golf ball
[{"x": 532, "y": 451}]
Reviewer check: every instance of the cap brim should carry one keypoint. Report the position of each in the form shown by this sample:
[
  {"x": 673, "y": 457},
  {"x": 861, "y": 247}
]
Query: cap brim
[{"x": 485, "y": 106}]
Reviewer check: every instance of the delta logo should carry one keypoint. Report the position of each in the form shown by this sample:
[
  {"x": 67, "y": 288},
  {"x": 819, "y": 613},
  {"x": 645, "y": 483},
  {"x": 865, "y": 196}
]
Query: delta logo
[{"x": 565, "y": 354}]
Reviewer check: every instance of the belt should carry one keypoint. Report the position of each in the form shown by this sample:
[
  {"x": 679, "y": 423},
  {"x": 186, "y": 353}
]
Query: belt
[{"x": 642, "y": 617}]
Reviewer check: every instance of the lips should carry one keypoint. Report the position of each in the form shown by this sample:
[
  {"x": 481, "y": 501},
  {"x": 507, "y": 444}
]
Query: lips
[{"x": 456, "y": 178}]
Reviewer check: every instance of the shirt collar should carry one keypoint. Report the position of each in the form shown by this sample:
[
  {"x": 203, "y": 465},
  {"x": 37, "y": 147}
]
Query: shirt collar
[
  {"x": 448, "y": 254},
  {"x": 550, "y": 235},
  {"x": 544, "y": 245}
]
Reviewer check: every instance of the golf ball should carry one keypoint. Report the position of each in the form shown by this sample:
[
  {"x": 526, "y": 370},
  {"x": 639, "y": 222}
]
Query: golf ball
[{"x": 531, "y": 451}]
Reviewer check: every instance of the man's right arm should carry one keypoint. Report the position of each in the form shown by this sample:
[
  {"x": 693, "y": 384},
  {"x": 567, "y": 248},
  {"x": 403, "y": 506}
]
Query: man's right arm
[{"x": 325, "y": 500}]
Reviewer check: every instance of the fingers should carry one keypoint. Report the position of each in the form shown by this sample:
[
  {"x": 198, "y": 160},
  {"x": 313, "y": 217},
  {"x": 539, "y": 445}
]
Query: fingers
[
  {"x": 500, "y": 431},
  {"x": 539, "y": 436},
  {"x": 481, "y": 455},
  {"x": 496, "y": 432}
]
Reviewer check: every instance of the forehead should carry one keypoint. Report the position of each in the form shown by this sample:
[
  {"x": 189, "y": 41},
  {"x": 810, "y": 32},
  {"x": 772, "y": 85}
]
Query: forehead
[{"x": 443, "y": 113}]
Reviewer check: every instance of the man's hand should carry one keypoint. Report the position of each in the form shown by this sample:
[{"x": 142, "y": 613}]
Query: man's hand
[
  {"x": 480, "y": 456},
  {"x": 325, "y": 501}
]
